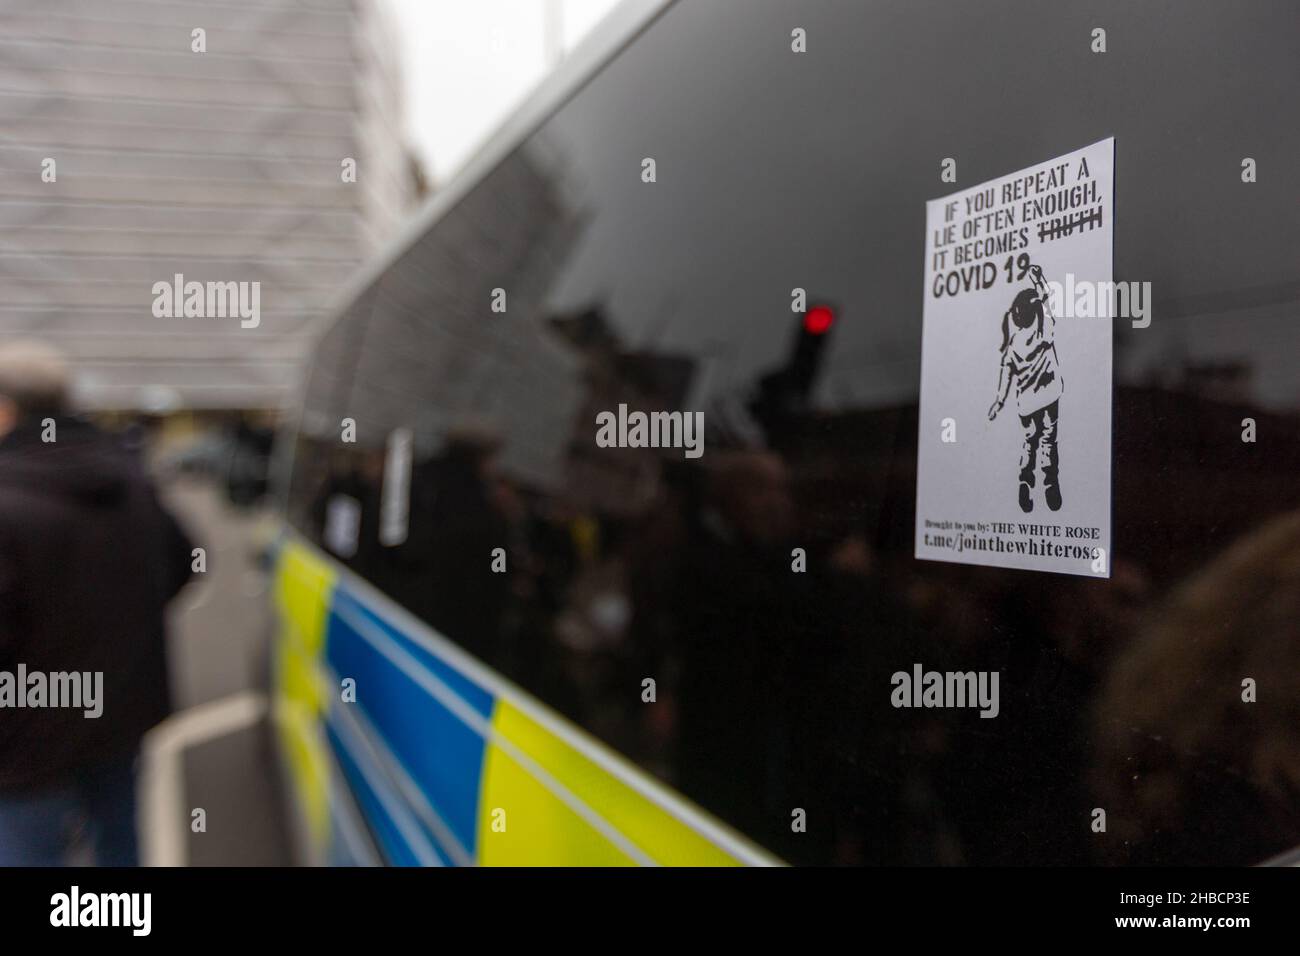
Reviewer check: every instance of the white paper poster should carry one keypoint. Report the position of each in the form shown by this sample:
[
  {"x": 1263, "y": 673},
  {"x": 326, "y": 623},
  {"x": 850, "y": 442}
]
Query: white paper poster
[{"x": 1014, "y": 452}]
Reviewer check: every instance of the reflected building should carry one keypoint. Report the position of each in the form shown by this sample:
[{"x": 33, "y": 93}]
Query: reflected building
[
  {"x": 460, "y": 316},
  {"x": 131, "y": 157}
]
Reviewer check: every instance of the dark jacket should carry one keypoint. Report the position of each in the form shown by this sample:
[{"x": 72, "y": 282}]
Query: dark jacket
[{"x": 88, "y": 561}]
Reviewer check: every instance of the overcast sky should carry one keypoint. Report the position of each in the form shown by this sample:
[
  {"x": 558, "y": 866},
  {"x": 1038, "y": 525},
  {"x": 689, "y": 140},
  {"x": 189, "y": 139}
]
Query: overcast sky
[{"x": 467, "y": 63}]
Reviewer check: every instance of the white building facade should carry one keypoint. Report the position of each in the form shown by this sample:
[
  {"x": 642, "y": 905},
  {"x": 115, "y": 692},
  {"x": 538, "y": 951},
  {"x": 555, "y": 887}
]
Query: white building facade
[{"x": 142, "y": 140}]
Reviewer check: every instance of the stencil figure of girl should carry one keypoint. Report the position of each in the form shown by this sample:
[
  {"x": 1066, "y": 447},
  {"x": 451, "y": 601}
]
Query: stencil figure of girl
[{"x": 1030, "y": 366}]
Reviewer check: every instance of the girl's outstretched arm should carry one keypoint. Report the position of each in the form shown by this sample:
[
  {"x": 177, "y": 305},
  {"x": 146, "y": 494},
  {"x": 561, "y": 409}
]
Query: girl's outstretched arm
[
  {"x": 1044, "y": 295},
  {"x": 1004, "y": 384}
]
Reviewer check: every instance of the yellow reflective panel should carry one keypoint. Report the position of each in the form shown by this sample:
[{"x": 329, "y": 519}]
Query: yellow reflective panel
[
  {"x": 304, "y": 743},
  {"x": 304, "y": 587},
  {"x": 563, "y": 808}
]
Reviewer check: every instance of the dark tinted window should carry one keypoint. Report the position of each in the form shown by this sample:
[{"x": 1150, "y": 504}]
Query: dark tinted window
[
  {"x": 321, "y": 463},
  {"x": 777, "y": 171}
]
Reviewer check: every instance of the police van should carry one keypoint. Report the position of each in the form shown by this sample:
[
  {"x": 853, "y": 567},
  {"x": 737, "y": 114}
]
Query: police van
[{"x": 504, "y": 639}]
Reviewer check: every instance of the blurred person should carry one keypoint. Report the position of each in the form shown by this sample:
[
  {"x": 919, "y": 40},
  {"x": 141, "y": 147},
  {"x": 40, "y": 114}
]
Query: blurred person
[
  {"x": 89, "y": 559},
  {"x": 1188, "y": 771},
  {"x": 456, "y": 522},
  {"x": 754, "y": 644}
]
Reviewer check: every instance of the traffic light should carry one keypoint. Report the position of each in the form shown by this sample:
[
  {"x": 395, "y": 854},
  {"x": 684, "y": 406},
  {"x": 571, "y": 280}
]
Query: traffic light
[
  {"x": 810, "y": 339},
  {"x": 818, "y": 320},
  {"x": 785, "y": 391}
]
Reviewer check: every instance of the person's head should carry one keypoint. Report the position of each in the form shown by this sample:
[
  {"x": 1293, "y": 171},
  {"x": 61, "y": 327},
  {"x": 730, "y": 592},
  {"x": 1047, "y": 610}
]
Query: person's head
[
  {"x": 1171, "y": 718},
  {"x": 473, "y": 448},
  {"x": 751, "y": 489},
  {"x": 34, "y": 383},
  {"x": 1026, "y": 309}
]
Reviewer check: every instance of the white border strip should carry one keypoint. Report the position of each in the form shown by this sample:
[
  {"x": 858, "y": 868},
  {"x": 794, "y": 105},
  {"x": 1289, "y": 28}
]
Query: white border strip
[
  {"x": 391, "y": 766},
  {"x": 163, "y": 821},
  {"x": 405, "y": 823},
  {"x": 348, "y": 824}
]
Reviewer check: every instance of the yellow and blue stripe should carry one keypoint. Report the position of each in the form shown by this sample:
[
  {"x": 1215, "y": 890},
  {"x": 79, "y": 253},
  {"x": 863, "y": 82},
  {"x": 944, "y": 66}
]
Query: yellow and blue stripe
[{"x": 438, "y": 747}]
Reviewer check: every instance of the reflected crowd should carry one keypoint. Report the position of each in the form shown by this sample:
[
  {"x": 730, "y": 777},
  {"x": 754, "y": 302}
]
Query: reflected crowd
[{"x": 736, "y": 637}]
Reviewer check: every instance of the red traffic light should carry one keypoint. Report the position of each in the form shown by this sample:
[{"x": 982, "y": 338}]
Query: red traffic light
[{"x": 818, "y": 320}]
